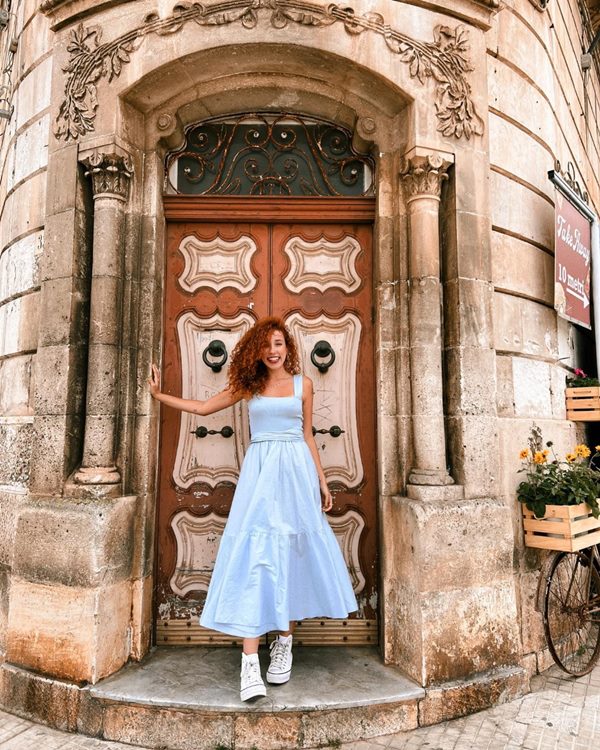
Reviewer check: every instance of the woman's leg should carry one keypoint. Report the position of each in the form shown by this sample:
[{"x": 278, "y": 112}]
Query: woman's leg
[
  {"x": 250, "y": 646},
  {"x": 290, "y": 631}
]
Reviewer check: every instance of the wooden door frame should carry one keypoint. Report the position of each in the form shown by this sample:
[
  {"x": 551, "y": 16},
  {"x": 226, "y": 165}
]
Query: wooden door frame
[
  {"x": 277, "y": 209},
  {"x": 284, "y": 210}
]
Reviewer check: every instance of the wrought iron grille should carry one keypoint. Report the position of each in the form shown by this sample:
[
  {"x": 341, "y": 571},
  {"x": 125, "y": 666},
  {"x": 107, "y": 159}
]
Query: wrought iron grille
[{"x": 266, "y": 154}]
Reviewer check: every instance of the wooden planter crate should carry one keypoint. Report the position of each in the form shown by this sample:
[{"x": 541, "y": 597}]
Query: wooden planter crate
[
  {"x": 583, "y": 404},
  {"x": 564, "y": 527}
]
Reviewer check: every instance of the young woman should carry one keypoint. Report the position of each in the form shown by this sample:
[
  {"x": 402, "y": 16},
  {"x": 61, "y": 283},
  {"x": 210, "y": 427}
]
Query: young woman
[{"x": 278, "y": 560}]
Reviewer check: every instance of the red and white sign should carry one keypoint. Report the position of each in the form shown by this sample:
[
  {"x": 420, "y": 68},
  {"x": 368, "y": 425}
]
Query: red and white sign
[{"x": 572, "y": 262}]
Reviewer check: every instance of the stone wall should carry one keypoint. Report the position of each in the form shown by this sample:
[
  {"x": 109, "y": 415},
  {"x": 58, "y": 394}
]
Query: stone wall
[
  {"x": 23, "y": 160},
  {"x": 541, "y": 109}
]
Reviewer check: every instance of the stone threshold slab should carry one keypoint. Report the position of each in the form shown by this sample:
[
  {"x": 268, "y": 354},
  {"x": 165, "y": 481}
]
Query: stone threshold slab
[{"x": 207, "y": 679}]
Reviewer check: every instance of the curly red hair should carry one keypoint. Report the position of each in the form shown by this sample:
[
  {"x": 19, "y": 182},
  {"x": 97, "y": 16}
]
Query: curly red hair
[{"x": 247, "y": 372}]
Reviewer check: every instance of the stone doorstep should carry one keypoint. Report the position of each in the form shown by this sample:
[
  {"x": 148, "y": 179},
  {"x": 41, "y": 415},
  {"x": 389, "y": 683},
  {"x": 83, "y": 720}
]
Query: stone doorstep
[{"x": 187, "y": 699}]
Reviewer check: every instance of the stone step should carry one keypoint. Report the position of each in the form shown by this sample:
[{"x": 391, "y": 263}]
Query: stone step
[{"x": 188, "y": 699}]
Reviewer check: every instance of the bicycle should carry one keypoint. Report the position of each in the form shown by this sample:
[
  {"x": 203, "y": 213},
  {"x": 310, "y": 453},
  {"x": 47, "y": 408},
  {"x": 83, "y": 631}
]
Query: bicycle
[{"x": 572, "y": 610}]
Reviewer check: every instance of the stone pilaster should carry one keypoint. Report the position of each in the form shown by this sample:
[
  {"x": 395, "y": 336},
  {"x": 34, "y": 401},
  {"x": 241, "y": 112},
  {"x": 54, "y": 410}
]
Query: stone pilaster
[
  {"x": 110, "y": 176},
  {"x": 422, "y": 179}
]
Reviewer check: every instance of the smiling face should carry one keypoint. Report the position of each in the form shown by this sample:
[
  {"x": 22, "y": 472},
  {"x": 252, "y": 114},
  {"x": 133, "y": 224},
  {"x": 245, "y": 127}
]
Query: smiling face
[{"x": 274, "y": 354}]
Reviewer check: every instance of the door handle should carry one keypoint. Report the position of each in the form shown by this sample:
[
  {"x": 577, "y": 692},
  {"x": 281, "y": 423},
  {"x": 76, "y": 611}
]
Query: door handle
[
  {"x": 334, "y": 431},
  {"x": 322, "y": 350},
  {"x": 218, "y": 350},
  {"x": 201, "y": 431}
]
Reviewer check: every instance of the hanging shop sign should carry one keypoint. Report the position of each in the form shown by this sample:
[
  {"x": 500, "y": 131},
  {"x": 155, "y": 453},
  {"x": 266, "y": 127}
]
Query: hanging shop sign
[{"x": 572, "y": 254}]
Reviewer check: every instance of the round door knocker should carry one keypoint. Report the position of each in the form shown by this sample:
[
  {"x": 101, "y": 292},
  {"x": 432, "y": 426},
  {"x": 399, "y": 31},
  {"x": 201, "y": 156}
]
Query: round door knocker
[
  {"x": 218, "y": 351},
  {"x": 322, "y": 350},
  {"x": 335, "y": 431},
  {"x": 201, "y": 431}
]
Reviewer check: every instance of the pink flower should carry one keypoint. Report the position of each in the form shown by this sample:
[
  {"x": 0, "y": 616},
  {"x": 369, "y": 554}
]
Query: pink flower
[{"x": 580, "y": 373}]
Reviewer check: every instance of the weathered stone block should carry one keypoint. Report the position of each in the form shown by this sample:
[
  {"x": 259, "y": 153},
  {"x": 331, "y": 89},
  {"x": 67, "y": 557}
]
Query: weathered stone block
[
  {"x": 470, "y": 381},
  {"x": 10, "y": 507},
  {"x": 39, "y": 698},
  {"x": 16, "y": 435},
  {"x": 16, "y": 386},
  {"x": 508, "y": 89},
  {"x": 35, "y": 41},
  {"x": 526, "y": 213},
  {"x": 530, "y": 618},
  {"x": 267, "y": 731},
  {"x": 34, "y": 92},
  {"x": 467, "y": 696},
  {"x": 30, "y": 152},
  {"x": 523, "y": 268},
  {"x": 67, "y": 250},
  {"x": 78, "y": 634},
  {"x": 472, "y": 441},
  {"x": 469, "y": 630},
  {"x": 531, "y": 383},
  {"x": 141, "y": 617},
  {"x": 19, "y": 324},
  {"x": 60, "y": 388},
  {"x": 468, "y": 313},
  {"x": 19, "y": 263},
  {"x": 505, "y": 398},
  {"x": 4, "y": 601},
  {"x": 518, "y": 153},
  {"x": 439, "y": 533},
  {"x": 54, "y": 452},
  {"x": 75, "y": 544},
  {"x": 323, "y": 728},
  {"x": 178, "y": 730},
  {"x": 64, "y": 303},
  {"x": 23, "y": 209}
]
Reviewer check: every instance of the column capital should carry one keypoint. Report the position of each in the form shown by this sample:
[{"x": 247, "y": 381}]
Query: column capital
[
  {"x": 110, "y": 173},
  {"x": 423, "y": 174}
]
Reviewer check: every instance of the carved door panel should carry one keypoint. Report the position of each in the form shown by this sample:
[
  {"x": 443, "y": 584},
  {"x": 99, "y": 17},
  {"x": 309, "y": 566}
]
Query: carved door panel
[
  {"x": 217, "y": 284},
  {"x": 221, "y": 276},
  {"x": 322, "y": 284}
]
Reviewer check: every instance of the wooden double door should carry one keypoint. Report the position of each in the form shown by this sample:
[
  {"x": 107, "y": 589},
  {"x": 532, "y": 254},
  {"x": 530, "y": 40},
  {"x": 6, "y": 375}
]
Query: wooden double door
[{"x": 230, "y": 262}]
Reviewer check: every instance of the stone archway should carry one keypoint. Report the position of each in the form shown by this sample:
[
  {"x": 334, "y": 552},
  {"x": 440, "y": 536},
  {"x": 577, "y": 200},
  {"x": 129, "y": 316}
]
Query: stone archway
[{"x": 381, "y": 124}]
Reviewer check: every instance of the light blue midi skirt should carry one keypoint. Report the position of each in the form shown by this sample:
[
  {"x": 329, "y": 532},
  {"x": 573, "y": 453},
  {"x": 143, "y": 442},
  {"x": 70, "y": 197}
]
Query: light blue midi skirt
[{"x": 278, "y": 559}]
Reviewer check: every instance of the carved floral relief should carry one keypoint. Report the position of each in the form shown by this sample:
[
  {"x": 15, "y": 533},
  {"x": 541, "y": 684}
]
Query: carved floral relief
[{"x": 445, "y": 60}]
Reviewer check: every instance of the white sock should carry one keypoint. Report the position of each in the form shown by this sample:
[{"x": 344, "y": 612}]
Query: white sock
[
  {"x": 285, "y": 638},
  {"x": 250, "y": 657}
]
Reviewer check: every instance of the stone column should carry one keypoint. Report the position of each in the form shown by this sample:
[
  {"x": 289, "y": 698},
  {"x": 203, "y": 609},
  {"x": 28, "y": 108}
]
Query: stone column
[
  {"x": 110, "y": 175},
  {"x": 422, "y": 178}
]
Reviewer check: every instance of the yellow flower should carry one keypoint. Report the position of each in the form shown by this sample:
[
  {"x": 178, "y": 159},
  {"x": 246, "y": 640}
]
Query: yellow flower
[
  {"x": 582, "y": 451},
  {"x": 539, "y": 457},
  {"x": 524, "y": 454},
  {"x": 597, "y": 449},
  {"x": 570, "y": 457}
]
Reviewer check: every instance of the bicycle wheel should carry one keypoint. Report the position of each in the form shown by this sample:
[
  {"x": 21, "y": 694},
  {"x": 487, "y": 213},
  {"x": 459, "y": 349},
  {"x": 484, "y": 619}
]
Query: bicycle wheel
[{"x": 572, "y": 612}]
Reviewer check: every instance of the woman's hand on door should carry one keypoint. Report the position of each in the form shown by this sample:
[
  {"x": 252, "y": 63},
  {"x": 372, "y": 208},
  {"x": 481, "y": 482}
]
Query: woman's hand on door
[
  {"x": 154, "y": 381},
  {"x": 215, "y": 403}
]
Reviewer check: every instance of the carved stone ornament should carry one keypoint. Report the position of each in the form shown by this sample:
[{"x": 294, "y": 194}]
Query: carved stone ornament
[
  {"x": 444, "y": 60},
  {"x": 110, "y": 174},
  {"x": 424, "y": 175}
]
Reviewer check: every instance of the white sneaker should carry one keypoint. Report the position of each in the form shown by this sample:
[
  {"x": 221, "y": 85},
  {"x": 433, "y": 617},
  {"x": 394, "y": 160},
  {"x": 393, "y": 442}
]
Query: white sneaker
[
  {"x": 251, "y": 682},
  {"x": 280, "y": 667}
]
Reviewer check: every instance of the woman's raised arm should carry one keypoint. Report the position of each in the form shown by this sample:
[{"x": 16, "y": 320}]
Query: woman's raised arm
[{"x": 215, "y": 403}]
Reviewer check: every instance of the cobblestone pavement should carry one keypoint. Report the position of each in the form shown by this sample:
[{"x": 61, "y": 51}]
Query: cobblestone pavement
[{"x": 560, "y": 714}]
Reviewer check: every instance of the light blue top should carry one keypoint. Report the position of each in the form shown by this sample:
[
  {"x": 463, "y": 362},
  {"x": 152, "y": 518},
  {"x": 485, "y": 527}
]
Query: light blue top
[{"x": 277, "y": 417}]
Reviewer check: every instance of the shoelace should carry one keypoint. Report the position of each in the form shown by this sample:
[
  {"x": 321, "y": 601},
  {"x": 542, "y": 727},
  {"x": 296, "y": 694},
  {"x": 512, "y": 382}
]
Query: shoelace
[
  {"x": 251, "y": 669},
  {"x": 278, "y": 653}
]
